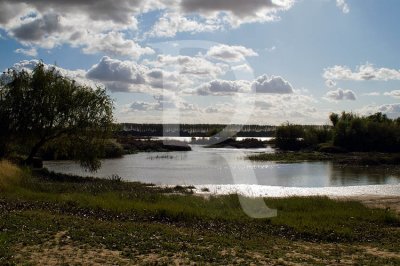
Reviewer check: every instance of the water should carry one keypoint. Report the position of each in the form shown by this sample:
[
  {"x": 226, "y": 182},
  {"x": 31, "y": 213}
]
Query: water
[{"x": 204, "y": 166}]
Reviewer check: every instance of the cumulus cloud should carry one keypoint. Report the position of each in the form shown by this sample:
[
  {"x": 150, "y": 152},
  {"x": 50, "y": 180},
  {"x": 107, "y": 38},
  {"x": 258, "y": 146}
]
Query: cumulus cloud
[
  {"x": 372, "y": 94},
  {"x": 32, "y": 52},
  {"x": 94, "y": 26},
  {"x": 172, "y": 23},
  {"x": 262, "y": 85},
  {"x": 342, "y": 5},
  {"x": 145, "y": 106},
  {"x": 49, "y": 23},
  {"x": 273, "y": 84},
  {"x": 223, "y": 87},
  {"x": 79, "y": 75},
  {"x": 195, "y": 67},
  {"x": 38, "y": 28},
  {"x": 220, "y": 108},
  {"x": 115, "y": 44},
  {"x": 128, "y": 76},
  {"x": 163, "y": 102},
  {"x": 363, "y": 72},
  {"x": 330, "y": 83},
  {"x": 340, "y": 95},
  {"x": 115, "y": 70},
  {"x": 245, "y": 68},
  {"x": 230, "y": 53},
  {"x": 391, "y": 110},
  {"x": 394, "y": 94},
  {"x": 237, "y": 12},
  {"x": 99, "y": 10},
  {"x": 278, "y": 108}
]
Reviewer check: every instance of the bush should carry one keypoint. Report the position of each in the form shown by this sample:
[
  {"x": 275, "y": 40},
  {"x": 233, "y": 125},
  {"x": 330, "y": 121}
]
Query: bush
[
  {"x": 296, "y": 137},
  {"x": 113, "y": 149}
]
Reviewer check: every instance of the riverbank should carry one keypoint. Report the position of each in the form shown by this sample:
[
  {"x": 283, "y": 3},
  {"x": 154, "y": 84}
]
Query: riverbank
[
  {"x": 132, "y": 145},
  {"x": 52, "y": 219},
  {"x": 239, "y": 144},
  {"x": 353, "y": 158}
]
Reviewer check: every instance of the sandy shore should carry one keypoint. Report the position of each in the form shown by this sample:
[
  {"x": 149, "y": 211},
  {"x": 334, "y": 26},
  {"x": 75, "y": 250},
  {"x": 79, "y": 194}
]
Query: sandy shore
[{"x": 374, "y": 196}]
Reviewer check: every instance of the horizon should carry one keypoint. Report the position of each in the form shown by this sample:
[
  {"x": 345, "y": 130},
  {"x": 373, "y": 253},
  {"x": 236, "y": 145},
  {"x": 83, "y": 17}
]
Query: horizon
[{"x": 216, "y": 62}]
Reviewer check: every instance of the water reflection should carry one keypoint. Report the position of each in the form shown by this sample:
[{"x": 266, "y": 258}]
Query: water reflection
[
  {"x": 347, "y": 176},
  {"x": 215, "y": 166}
]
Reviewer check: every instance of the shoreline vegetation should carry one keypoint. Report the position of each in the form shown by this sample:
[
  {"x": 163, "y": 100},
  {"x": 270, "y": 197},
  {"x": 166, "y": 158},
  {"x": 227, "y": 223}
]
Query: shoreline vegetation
[
  {"x": 48, "y": 218},
  {"x": 249, "y": 143},
  {"x": 352, "y": 158}
]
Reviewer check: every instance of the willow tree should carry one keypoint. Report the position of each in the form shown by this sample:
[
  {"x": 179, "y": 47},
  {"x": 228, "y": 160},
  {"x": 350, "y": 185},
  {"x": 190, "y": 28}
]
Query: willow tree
[{"x": 43, "y": 106}]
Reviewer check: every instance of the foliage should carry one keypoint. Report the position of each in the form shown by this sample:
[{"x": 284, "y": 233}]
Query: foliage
[
  {"x": 57, "y": 150},
  {"x": 350, "y": 132},
  {"x": 296, "y": 137},
  {"x": 370, "y": 133},
  {"x": 43, "y": 106}
]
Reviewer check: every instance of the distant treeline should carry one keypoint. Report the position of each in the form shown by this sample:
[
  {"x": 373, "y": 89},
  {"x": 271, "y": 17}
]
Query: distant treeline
[
  {"x": 349, "y": 132},
  {"x": 195, "y": 130}
]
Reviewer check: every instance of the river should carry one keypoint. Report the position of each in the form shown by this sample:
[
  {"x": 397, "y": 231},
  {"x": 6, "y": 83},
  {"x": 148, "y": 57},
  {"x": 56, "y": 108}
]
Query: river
[{"x": 229, "y": 168}]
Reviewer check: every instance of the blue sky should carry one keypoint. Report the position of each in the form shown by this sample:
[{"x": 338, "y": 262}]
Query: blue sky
[{"x": 225, "y": 61}]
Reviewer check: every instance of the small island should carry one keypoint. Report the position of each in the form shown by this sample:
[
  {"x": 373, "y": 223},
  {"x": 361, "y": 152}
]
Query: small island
[{"x": 351, "y": 140}]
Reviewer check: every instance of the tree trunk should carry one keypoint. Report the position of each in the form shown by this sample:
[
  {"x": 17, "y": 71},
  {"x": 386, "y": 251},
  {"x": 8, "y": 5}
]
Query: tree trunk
[{"x": 34, "y": 151}]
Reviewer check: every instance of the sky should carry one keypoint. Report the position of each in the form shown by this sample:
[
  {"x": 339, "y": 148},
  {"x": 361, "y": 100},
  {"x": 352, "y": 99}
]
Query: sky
[{"x": 216, "y": 61}]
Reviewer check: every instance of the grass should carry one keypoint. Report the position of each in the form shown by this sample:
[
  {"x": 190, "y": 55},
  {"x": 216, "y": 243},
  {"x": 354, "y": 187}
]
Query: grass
[
  {"x": 354, "y": 158},
  {"x": 139, "y": 222},
  {"x": 291, "y": 157}
]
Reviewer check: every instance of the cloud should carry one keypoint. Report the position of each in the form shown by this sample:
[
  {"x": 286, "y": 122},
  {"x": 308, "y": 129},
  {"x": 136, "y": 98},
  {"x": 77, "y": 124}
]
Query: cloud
[
  {"x": 263, "y": 105},
  {"x": 115, "y": 44},
  {"x": 245, "y": 68},
  {"x": 273, "y": 84},
  {"x": 220, "y": 108},
  {"x": 237, "y": 12},
  {"x": 230, "y": 53},
  {"x": 162, "y": 102},
  {"x": 223, "y": 87},
  {"x": 195, "y": 67},
  {"x": 50, "y": 23},
  {"x": 38, "y": 28},
  {"x": 115, "y": 70},
  {"x": 28, "y": 52},
  {"x": 330, "y": 83},
  {"x": 94, "y": 26},
  {"x": 340, "y": 95},
  {"x": 171, "y": 23},
  {"x": 262, "y": 85},
  {"x": 128, "y": 76},
  {"x": 342, "y": 4},
  {"x": 363, "y": 72},
  {"x": 98, "y": 10},
  {"x": 391, "y": 110},
  {"x": 145, "y": 106},
  {"x": 79, "y": 75},
  {"x": 372, "y": 94},
  {"x": 394, "y": 94}
]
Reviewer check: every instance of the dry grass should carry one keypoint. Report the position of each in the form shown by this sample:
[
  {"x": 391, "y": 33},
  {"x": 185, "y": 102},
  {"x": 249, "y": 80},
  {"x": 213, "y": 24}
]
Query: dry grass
[{"x": 10, "y": 174}]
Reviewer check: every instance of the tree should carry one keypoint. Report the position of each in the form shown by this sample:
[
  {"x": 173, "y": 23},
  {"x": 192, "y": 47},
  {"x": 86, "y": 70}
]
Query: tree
[
  {"x": 334, "y": 118},
  {"x": 42, "y": 106},
  {"x": 289, "y": 137},
  {"x": 375, "y": 132}
]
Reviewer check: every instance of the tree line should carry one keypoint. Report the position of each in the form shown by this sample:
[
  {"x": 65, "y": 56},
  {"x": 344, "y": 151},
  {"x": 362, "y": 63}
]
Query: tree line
[
  {"x": 348, "y": 132},
  {"x": 195, "y": 130}
]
